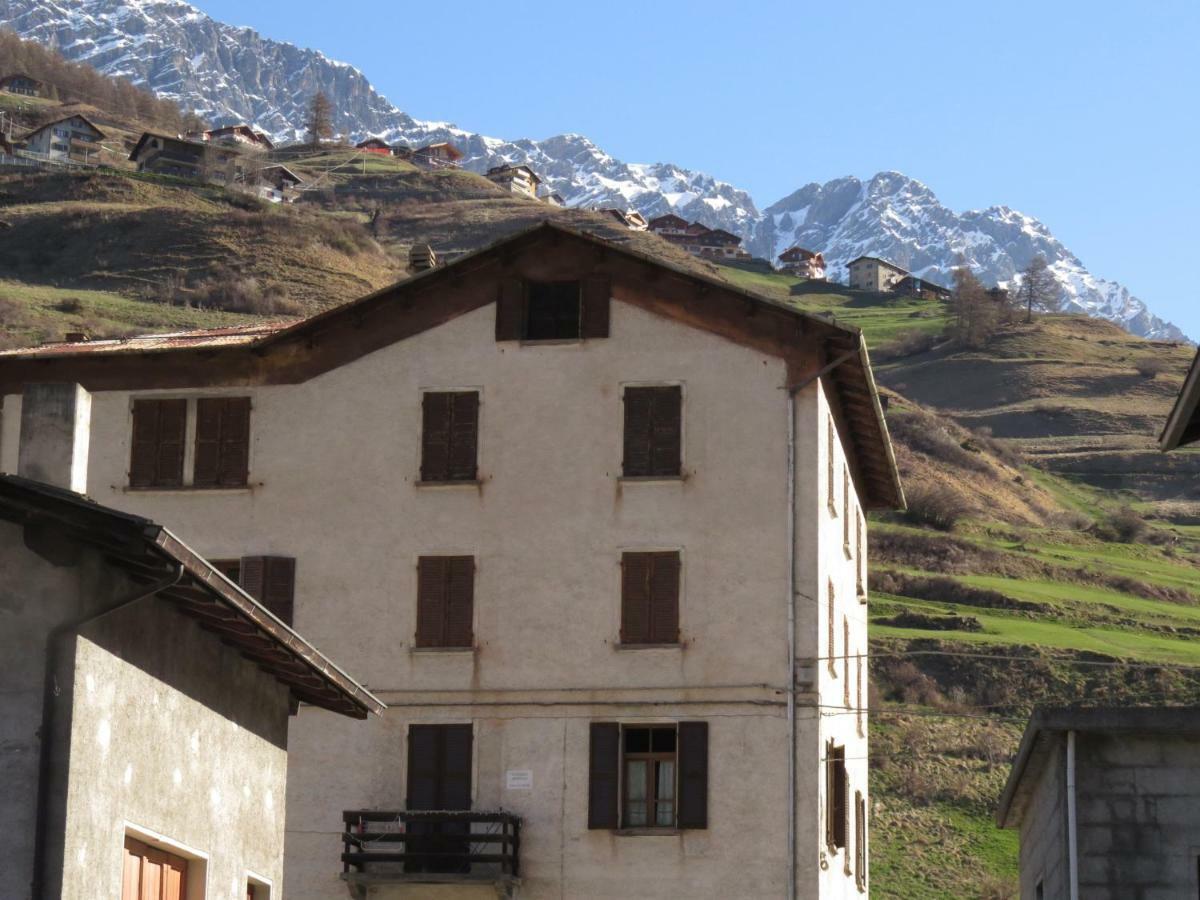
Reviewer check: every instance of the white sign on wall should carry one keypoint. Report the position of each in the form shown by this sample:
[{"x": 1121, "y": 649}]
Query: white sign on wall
[{"x": 518, "y": 780}]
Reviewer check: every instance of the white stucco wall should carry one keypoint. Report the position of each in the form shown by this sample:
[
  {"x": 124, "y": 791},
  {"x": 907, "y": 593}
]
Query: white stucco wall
[{"x": 333, "y": 466}]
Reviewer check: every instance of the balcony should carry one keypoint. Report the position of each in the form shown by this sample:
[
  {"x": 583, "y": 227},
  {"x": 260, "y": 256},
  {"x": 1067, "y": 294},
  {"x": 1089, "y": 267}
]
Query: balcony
[{"x": 397, "y": 847}]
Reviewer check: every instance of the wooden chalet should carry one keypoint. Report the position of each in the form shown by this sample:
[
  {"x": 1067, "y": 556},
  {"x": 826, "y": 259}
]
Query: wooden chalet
[
  {"x": 518, "y": 179},
  {"x": 922, "y": 288},
  {"x": 440, "y": 155},
  {"x": 803, "y": 263},
  {"x": 240, "y": 135},
  {"x": 22, "y": 84},
  {"x": 73, "y": 138},
  {"x": 374, "y": 145},
  {"x": 669, "y": 224}
]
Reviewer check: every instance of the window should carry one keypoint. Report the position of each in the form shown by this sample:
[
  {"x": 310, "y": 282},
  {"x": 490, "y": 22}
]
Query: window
[
  {"x": 1039, "y": 891},
  {"x": 552, "y": 311},
  {"x": 829, "y": 470},
  {"x": 156, "y": 457},
  {"x": 445, "y": 601},
  {"x": 152, "y": 874},
  {"x": 836, "y": 811},
  {"x": 648, "y": 776},
  {"x": 449, "y": 436},
  {"x": 830, "y": 616},
  {"x": 860, "y": 560},
  {"x": 270, "y": 580},
  {"x": 650, "y": 597},
  {"x": 648, "y": 772},
  {"x": 860, "y": 841},
  {"x": 222, "y": 442},
  {"x": 653, "y": 431},
  {"x": 846, "y": 511},
  {"x": 858, "y": 658},
  {"x": 846, "y": 661}
]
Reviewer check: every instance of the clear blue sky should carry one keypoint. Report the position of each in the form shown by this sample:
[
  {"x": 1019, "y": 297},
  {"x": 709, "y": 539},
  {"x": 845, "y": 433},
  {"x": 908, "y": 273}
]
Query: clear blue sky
[{"x": 1084, "y": 114}]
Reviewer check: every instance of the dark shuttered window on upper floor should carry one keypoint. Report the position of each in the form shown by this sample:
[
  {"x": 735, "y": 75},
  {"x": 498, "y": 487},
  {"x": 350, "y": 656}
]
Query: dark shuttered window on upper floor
[
  {"x": 222, "y": 442},
  {"x": 445, "y": 601},
  {"x": 653, "y": 439},
  {"x": 156, "y": 454},
  {"x": 528, "y": 310},
  {"x": 449, "y": 436},
  {"x": 650, "y": 597},
  {"x": 271, "y": 580}
]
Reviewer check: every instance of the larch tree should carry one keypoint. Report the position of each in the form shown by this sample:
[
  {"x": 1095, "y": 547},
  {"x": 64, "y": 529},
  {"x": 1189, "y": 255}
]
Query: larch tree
[
  {"x": 976, "y": 315},
  {"x": 1039, "y": 289},
  {"x": 320, "y": 119}
]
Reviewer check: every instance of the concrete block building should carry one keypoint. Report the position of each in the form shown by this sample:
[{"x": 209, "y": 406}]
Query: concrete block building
[
  {"x": 1107, "y": 802},
  {"x": 591, "y": 525},
  {"x": 869, "y": 273}
]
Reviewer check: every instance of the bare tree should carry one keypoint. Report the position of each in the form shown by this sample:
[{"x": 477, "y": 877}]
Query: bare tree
[
  {"x": 976, "y": 316},
  {"x": 320, "y": 119},
  {"x": 1038, "y": 290}
]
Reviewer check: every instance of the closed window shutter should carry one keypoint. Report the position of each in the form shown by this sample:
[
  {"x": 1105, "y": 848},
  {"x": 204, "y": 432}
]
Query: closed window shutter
[
  {"x": 464, "y": 436},
  {"x": 664, "y": 598},
  {"x": 604, "y": 762},
  {"x": 156, "y": 454},
  {"x": 653, "y": 431},
  {"x": 431, "y": 601},
  {"x": 423, "y": 768},
  {"x": 271, "y": 581},
  {"x": 510, "y": 309},
  {"x": 456, "y": 755},
  {"x": 460, "y": 601},
  {"x": 435, "y": 436},
  {"x": 635, "y": 598},
  {"x": 222, "y": 442},
  {"x": 597, "y": 290},
  {"x": 829, "y": 795},
  {"x": 693, "y": 775}
]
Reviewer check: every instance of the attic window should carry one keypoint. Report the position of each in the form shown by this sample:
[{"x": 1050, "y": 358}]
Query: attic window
[{"x": 553, "y": 311}]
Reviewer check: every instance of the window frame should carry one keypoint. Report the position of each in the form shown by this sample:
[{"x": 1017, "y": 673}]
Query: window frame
[
  {"x": 531, "y": 285},
  {"x": 678, "y": 474},
  {"x": 651, "y": 800},
  {"x": 449, "y": 482},
  {"x": 836, "y": 815},
  {"x": 196, "y": 881},
  {"x": 650, "y": 643},
  {"x": 191, "y": 416},
  {"x": 419, "y": 643}
]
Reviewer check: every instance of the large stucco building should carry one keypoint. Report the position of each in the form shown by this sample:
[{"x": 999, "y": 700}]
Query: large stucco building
[
  {"x": 595, "y": 527},
  {"x": 144, "y": 699},
  {"x": 1107, "y": 802}
]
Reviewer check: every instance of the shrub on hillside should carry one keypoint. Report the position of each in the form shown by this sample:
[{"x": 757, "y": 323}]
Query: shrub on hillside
[
  {"x": 908, "y": 343},
  {"x": 1124, "y": 526},
  {"x": 936, "y": 506},
  {"x": 1150, "y": 367},
  {"x": 927, "y": 434}
]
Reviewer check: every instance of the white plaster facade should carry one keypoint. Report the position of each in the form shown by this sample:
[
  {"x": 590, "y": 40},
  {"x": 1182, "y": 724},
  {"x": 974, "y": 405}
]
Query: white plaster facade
[{"x": 334, "y": 466}]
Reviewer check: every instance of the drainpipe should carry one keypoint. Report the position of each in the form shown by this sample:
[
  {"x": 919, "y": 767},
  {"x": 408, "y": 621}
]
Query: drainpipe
[
  {"x": 50, "y": 693},
  {"x": 1072, "y": 834},
  {"x": 793, "y": 586}
]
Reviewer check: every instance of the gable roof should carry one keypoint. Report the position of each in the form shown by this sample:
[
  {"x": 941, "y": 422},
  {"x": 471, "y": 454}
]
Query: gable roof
[
  {"x": 141, "y": 546},
  {"x": 1183, "y": 424},
  {"x": 284, "y": 169},
  {"x": 372, "y": 142},
  {"x": 879, "y": 260},
  {"x": 289, "y": 354},
  {"x": 1049, "y": 723},
  {"x": 148, "y": 135},
  {"x": 90, "y": 124},
  {"x": 242, "y": 128},
  {"x": 668, "y": 219},
  {"x": 451, "y": 151}
]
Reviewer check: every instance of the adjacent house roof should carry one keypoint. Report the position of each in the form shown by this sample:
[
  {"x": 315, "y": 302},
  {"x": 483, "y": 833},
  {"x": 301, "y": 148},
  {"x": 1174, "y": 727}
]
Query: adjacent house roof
[
  {"x": 909, "y": 282},
  {"x": 372, "y": 142},
  {"x": 504, "y": 170},
  {"x": 82, "y": 118},
  {"x": 283, "y": 170},
  {"x": 441, "y": 147},
  {"x": 1183, "y": 424},
  {"x": 797, "y": 253},
  {"x": 670, "y": 220},
  {"x": 12, "y": 76},
  {"x": 1047, "y": 725},
  {"x": 148, "y": 135},
  {"x": 247, "y": 130},
  {"x": 148, "y": 551},
  {"x": 289, "y": 354},
  {"x": 882, "y": 262}
]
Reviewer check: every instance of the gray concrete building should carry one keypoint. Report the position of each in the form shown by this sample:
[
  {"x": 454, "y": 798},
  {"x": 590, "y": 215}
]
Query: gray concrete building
[
  {"x": 1107, "y": 802},
  {"x": 144, "y": 697}
]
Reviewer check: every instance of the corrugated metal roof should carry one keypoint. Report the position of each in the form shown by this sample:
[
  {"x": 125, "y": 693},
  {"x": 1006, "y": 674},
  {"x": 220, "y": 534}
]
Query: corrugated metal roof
[{"x": 144, "y": 343}]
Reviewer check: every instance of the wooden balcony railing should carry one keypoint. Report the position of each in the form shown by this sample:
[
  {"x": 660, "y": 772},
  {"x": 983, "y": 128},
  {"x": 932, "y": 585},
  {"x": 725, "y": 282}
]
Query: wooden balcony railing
[{"x": 441, "y": 846}]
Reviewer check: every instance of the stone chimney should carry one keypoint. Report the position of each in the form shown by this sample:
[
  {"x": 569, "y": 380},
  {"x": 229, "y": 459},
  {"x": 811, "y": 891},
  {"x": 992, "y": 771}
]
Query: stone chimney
[{"x": 56, "y": 422}]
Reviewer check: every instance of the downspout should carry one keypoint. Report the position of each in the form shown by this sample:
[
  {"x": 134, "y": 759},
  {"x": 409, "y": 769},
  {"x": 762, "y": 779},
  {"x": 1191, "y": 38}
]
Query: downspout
[
  {"x": 793, "y": 586},
  {"x": 1072, "y": 833},
  {"x": 50, "y": 692}
]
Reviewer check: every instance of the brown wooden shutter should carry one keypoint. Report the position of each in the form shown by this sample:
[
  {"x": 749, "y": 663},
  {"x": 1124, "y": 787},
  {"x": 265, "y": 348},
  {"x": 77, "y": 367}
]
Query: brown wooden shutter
[
  {"x": 597, "y": 289},
  {"x": 510, "y": 309},
  {"x": 464, "y": 436},
  {"x": 423, "y": 768},
  {"x": 431, "y": 601},
  {"x": 664, "y": 598},
  {"x": 460, "y": 601},
  {"x": 829, "y": 796},
  {"x": 653, "y": 437},
  {"x": 271, "y": 581},
  {"x": 635, "y": 598},
  {"x": 693, "y": 775},
  {"x": 222, "y": 442},
  {"x": 604, "y": 767},
  {"x": 456, "y": 774},
  {"x": 156, "y": 454},
  {"x": 435, "y": 436}
]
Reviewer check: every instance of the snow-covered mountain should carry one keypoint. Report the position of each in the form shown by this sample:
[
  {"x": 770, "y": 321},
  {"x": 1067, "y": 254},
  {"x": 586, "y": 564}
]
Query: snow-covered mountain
[
  {"x": 899, "y": 219},
  {"x": 228, "y": 73}
]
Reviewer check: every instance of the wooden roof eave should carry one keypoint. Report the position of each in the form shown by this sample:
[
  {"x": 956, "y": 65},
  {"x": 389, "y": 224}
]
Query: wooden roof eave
[{"x": 1183, "y": 422}]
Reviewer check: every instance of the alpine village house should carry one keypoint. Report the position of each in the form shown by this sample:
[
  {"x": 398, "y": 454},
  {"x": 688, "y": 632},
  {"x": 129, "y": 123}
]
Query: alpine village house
[{"x": 591, "y": 526}]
